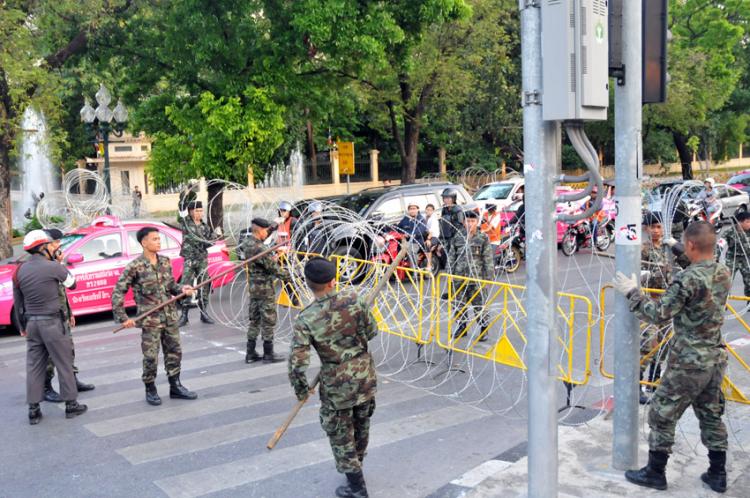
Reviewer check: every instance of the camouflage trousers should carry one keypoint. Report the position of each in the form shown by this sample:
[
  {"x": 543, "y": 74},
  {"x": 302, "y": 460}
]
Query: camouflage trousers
[
  {"x": 466, "y": 299},
  {"x": 261, "y": 318},
  {"x": 168, "y": 337},
  {"x": 679, "y": 389},
  {"x": 195, "y": 271},
  {"x": 651, "y": 338},
  {"x": 51, "y": 365},
  {"x": 743, "y": 269},
  {"x": 348, "y": 432}
]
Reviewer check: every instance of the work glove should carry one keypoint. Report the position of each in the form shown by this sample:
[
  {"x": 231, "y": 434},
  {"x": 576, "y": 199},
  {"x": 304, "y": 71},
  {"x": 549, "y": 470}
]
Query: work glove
[
  {"x": 645, "y": 275},
  {"x": 671, "y": 242},
  {"x": 625, "y": 285}
]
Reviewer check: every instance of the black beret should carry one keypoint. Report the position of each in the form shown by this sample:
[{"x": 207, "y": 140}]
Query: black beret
[
  {"x": 319, "y": 270},
  {"x": 195, "y": 205},
  {"x": 261, "y": 222},
  {"x": 54, "y": 233},
  {"x": 742, "y": 216},
  {"x": 652, "y": 218},
  {"x": 471, "y": 214}
]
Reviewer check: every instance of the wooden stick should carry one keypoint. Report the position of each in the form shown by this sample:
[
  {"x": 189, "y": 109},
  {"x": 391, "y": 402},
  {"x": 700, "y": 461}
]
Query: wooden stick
[
  {"x": 198, "y": 286},
  {"x": 370, "y": 299}
]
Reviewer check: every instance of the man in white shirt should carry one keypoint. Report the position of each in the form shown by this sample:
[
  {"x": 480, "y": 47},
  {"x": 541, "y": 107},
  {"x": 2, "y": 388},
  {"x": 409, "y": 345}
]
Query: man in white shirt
[{"x": 433, "y": 230}]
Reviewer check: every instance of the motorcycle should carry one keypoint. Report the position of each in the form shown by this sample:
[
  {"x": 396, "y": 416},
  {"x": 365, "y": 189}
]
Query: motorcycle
[
  {"x": 578, "y": 235},
  {"x": 509, "y": 250},
  {"x": 387, "y": 247},
  {"x": 697, "y": 211}
]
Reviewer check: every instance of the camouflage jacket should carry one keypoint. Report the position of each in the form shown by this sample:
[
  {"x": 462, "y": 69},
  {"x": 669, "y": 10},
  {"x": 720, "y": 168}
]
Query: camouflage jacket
[
  {"x": 64, "y": 303},
  {"x": 338, "y": 326},
  {"x": 263, "y": 272},
  {"x": 195, "y": 239},
  {"x": 738, "y": 246},
  {"x": 472, "y": 257},
  {"x": 695, "y": 302},
  {"x": 152, "y": 285},
  {"x": 656, "y": 262}
]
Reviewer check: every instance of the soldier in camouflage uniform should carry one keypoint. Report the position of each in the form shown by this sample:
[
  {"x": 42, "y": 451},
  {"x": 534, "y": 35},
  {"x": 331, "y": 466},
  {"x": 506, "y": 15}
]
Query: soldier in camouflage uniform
[
  {"x": 738, "y": 249},
  {"x": 262, "y": 274},
  {"x": 150, "y": 277},
  {"x": 196, "y": 239},
  {"x": 471, "y": 255},
  {"x": 68, "y": 323},
  {"x": 338, "y": 326},
  {"x": 697, "y": 361}
]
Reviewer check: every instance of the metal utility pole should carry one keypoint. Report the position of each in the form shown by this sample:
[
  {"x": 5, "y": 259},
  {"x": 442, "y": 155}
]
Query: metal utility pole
[
  {"x": 628, "y": 161},
  {"x": 541, "y": 143}
]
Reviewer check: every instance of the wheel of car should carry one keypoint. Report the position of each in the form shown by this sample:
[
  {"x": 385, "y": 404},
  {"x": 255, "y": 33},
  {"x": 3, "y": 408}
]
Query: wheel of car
[
  {"x": 740, "y": 209},
  {"x": 350, "y": 271}
]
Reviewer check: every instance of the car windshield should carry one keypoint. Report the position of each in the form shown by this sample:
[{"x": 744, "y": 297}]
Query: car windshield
[
  {"x": 498, "y": 191},
  {"x": 358, "y": 203},
  {"x": 743, "y": 179},
  {"x": 69, "y": 239}
]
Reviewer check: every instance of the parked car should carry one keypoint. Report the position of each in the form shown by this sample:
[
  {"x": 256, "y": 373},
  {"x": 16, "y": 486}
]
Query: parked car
[
  {"x": 96, "y": 256},
  {"x": 499, "y": 193},
  {"x": 732, "y": 200},
  {"x": 740, "y": 181}
]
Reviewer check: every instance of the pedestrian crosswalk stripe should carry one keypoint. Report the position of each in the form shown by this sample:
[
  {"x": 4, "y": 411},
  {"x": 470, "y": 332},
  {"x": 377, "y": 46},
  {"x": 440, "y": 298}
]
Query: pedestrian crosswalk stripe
[
  {"x": 78, "y": 341},
  {"x": 249, "y": 470},
  {"x": 215, "y": 436}
]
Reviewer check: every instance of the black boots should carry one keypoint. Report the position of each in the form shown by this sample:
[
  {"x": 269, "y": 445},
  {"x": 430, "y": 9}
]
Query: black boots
[
  {"x": 251, "y": 356},
  {"x": 268, "y": 356},
  {"x": 35, "y": 413},
  {"x": 716, "y": 477},
  {"x": 184, "y": 317},
  {"x": 356, "y": 487},
  {"x": 178, "y": 391},
  {"x": 49, "y": 392},
  {"x": 73, "y": 409},
  {"x": 652, "y": 475},
  {"x": 152, "y": 397},
  {"x": 82, "y": 386},
  {"x": 205, "y": 318}
]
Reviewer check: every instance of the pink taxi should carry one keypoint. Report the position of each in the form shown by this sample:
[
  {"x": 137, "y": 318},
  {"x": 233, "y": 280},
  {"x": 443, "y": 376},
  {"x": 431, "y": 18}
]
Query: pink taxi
[{"x": 97, "y": 254}]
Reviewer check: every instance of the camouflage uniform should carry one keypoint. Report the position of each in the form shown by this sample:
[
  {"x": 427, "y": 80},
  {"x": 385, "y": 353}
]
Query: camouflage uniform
[
  {"x": 697, "y": 360},
  {"x": 262, "y": 274},
  {"x": 195, "y": 237},
  {"x": 66, "y": 314},
  {"x": 338, "y": 326},
  {"x": 738, "y": 254},
  {"x": 470, "y": 257},
  {"x": 152, "y": 285}
]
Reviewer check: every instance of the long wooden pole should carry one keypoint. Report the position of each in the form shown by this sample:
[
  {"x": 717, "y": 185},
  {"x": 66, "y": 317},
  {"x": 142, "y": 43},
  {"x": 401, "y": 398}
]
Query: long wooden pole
[
  {"x": 205, "y": 282},
  {"x": 370, "y": 299}
]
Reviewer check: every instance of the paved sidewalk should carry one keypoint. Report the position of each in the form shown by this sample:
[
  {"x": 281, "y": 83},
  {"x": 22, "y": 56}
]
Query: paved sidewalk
[{"x": 585, "y": 456}]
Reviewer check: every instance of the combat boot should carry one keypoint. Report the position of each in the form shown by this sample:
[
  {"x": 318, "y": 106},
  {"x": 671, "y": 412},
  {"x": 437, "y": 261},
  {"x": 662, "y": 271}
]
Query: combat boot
[
  {"x": 251, "y": 356},
  {"x": 73, "y": 409},
  {"x": 178, "y": 391},
  {"x": 35, "y": 413},
  {"x": 643, "y": 397},
  {"x": 355, "y": 488},
  {"x": 484, "y": 333},
  {"x": 184, "y": 317},
  {"x": 206, "y": 318},
  {"x": 716, "y": 477},
  {"x": 652, "y": 475},
  {"x": 152, "y": 397},
  {"x": 50, "y": 394},
  {"x": 82, "y": 386},
  {"x": 268, "y": 356}
]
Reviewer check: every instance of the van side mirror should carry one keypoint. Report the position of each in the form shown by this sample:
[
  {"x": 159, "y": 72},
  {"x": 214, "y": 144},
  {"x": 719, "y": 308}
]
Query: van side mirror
[{"x": 74, "y": 258}]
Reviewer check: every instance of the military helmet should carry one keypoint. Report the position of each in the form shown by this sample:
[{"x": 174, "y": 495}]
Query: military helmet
[{"x": 450, "y": 192}]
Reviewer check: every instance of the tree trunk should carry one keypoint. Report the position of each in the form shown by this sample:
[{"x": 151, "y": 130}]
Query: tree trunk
[
  {"x": 409, "y": 158},
  {"x": 6, "y": 140},
  {"x": 215, "y": 204},
  {"x": 311, "y": 148},
  {"x": 686, "y": 156}
]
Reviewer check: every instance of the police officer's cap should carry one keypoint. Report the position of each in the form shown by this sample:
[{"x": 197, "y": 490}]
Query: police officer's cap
[
  {"x": 490, "y": 207},
  {"x": 471, "y": 214},
  {"x": 742, "y": 216},
  {"x": 652, "y": 218},
  {"x": 54, "y": 233},
  {"x": 319, "y": 270},
  {"x": 195, "y": 205},
  {"x": 261, "y": 222}
]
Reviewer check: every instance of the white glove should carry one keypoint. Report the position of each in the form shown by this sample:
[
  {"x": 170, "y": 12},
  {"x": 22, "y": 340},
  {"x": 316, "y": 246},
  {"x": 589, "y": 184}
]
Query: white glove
[
  {"x": 645, "y": 275},
  {"x": 671, "y": 242},
  {"x": 625, "y": 285}
]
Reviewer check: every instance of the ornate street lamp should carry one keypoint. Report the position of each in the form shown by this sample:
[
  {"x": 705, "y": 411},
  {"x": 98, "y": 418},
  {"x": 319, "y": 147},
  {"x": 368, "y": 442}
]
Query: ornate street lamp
[{"x": 99, "y": 123}]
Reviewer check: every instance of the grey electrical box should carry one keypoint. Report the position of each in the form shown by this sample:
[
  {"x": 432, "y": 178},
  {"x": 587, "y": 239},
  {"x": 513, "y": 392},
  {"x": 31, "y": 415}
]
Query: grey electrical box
[{"x": 575, "y": 68}]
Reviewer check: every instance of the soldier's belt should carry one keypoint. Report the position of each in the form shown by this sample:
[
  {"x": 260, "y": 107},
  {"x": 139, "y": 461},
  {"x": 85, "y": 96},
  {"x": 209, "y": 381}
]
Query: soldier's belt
[{"x": 33, "y": 318}]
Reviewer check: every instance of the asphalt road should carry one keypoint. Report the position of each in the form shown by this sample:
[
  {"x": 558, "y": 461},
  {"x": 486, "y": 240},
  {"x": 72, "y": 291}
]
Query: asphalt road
[{"x": 430, "y": 427}]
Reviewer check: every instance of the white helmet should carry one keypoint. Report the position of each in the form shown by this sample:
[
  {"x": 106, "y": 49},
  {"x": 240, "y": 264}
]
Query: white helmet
[
  {"x": 35, "y": 239},
  {"x": 285, "y": 206},
  {"x": 710, "y": 181}
]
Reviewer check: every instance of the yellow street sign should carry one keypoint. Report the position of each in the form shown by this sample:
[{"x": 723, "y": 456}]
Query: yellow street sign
[{"x": 346, "y": 157}]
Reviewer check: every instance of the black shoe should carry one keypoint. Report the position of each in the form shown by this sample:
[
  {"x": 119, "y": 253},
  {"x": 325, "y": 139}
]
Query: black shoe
[
  {"x": 268, "y": 356},
  {"x": 252, "y": 356},
  {"x": 205, "y": 318},
  {"x": 484, "y": 334},
  {"x": 356, "y": 487},
  {"x": 459, "y": 333},
  {"x": 178, "y": 391},
  {"x": 35, "y": 413},
  {"x": 184, "y": 317},
  {"x": 643, "y": 398},
  {"x": 152, "y": 396},
  {"x": 50, "y": 394},
  {"x": 652, "y": 475},
  {"x": 82, "y": 386},
  {"x": 73, "y": 409},
  {"x": 716, "y": 477}
]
